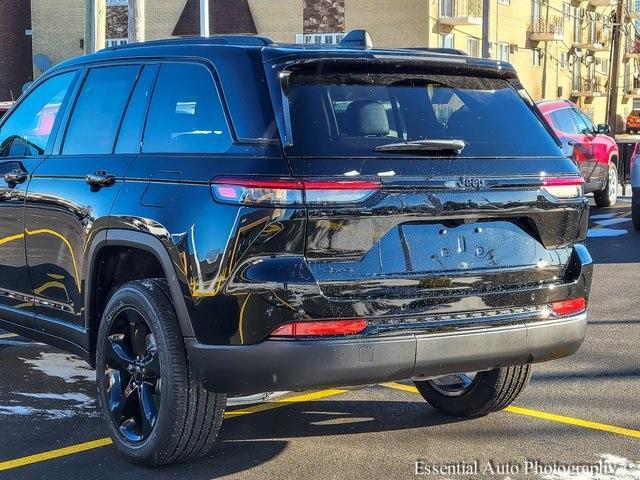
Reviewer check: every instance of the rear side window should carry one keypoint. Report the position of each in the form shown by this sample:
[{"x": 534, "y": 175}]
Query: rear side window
[
  {"x": 352, "y": 113},
  {"x": 26, "y": 132},
  {"x": 98, "y": 111},
  {"x": 186, "y": 113},
  {"x": 563, "y": 121}
]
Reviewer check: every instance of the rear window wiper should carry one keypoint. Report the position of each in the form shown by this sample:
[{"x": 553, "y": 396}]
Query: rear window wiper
[{"x": 417, "y": 146}]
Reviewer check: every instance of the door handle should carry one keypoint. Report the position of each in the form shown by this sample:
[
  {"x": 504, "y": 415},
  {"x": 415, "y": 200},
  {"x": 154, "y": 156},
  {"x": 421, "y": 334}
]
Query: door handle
[
  {"x": 100, "y": 179},
  {"x": 15, "y": 176}
]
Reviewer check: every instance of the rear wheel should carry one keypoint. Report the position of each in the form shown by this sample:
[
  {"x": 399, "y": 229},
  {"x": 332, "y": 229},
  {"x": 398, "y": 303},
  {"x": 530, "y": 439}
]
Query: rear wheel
[
  {"x": 466, "y": 395},
  {"x": 155, "y": 412},
  {"x": 608, "y": 196}
]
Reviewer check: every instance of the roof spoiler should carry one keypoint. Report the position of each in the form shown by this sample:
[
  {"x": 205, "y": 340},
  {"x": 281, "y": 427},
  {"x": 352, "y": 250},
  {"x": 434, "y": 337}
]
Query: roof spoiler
[{"x": 357, "y": 39}]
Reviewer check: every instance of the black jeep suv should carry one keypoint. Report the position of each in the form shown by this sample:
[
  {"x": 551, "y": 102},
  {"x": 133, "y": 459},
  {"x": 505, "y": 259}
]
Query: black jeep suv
[{"x": 222, "y": 216}]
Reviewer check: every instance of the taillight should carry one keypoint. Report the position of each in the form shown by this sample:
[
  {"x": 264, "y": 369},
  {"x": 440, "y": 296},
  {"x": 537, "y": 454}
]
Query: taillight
[
  {"x": 569, "y": 307},
  {"x": 292, "y": 192},
  {"x": 563, "y": 187},
  {"x": 321, "y": 328}
]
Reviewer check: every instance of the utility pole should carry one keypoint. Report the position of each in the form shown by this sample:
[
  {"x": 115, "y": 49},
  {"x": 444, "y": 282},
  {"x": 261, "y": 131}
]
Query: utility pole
[
  {"x": 486, "y": 51},
  {"x": 612, "y": 116},
  {"x": 136, "y": 21},
  {"x": 95, "y": 25},
  {"x": 204, "y": 18}
]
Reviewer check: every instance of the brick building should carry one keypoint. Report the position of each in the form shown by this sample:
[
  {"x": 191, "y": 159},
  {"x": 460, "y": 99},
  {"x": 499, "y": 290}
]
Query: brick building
[
  {"x": 15, "y": 47},
  {"x": 561, "y": 48}
]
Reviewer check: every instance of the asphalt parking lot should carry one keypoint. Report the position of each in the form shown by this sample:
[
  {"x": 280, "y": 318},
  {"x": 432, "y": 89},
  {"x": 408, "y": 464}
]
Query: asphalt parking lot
[{"x": 577, "y": 411}]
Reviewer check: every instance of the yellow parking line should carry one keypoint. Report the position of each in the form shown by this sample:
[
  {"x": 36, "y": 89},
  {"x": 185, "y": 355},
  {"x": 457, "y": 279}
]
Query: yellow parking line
[
  {"x": 552, "y": 417},
  {"x": 578, "y": 422},
  {"x": 8, "y": 335},
  {"x": 51, "y": 454},
  {"x": 103, "y": 442}
]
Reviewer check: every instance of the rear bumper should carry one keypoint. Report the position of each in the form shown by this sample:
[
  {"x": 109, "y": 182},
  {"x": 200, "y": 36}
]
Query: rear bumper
[{"x": 303, "y": 364}]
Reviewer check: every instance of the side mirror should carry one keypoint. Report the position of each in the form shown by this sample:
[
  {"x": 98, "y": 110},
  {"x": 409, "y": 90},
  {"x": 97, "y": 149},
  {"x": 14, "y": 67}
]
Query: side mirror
[{"x": 603, "y": 129}]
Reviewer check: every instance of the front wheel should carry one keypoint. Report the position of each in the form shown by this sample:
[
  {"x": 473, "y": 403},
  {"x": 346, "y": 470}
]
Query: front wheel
[
  {"x": 467, "y": 395},
  {"x": 155, "y": 411},
  {"x": 608, "y": 196}
]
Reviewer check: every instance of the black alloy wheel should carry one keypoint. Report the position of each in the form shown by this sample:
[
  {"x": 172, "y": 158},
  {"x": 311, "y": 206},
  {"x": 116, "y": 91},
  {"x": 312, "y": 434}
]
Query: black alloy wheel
[
  {"x": 155, "y": 410},
  {"x": 133, "y": 376}
]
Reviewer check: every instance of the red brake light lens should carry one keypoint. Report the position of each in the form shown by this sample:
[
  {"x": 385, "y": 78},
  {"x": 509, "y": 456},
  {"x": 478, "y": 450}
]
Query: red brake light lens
[
  {"x": 321, "y": 328},
  {"x": 563, "y": 187},
  {"x": 569, "y": 307},
  {"x": 292, "y": 192}
]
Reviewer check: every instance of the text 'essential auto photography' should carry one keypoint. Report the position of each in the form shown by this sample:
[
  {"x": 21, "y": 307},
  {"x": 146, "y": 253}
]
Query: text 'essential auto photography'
[{"x": 317, "y": 239}]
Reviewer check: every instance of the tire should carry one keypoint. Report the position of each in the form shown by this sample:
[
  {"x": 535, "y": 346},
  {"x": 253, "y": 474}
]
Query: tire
[
  {"x": 488, "y": 392},
  {"x": 181, "y": 419},
  {"x": 635, "y": 208},
  {"x": 608, "y": 196}
]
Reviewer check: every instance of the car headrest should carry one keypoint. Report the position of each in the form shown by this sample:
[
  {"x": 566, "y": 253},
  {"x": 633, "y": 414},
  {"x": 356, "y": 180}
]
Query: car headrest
[{"x": 366, "y": 118}]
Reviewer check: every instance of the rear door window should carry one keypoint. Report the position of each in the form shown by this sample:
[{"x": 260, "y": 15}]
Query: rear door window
[
  {"x": 351, "y": 113},
  {"x": 130, "y": 134},
  {"x": 99, "y": 109},
  {"x": 186, "y": 113},
  {"x": 563, "y": 121}
]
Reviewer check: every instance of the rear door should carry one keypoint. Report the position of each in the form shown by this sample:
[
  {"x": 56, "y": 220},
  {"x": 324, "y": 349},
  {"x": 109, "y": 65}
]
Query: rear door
[
  {"x": 589, "y": 141},
  {"x": 71, "y": 193},
  {"x": 568, "y": 130},
  {"x": 444, "y": 222},
  {"x": 600, "y": 147}
]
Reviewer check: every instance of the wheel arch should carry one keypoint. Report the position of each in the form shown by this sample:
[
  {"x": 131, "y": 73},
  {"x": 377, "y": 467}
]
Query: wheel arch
[{"x": 138, "y": 240}]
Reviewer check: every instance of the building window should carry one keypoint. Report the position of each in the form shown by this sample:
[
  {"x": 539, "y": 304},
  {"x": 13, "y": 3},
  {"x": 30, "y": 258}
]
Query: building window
[
  {"x": 535, "y": 57},
  {"x": 504, "y": 2},
  {"x": 447, "y": 40},
  {"x": 503, "y": 51},
  {"x": 535, "y": 10},
  {"x": 473, "y": 46},
  {"x": 604, "y": 66},
  {"x": 566, "y": 11},
  {"x": 564, "y": 60},
  {"x": 319, "y": 38},
  {"x": 577, "y": 25},
  {"x": 447, "y": 8},
  {"x": 114, "y": 42}
]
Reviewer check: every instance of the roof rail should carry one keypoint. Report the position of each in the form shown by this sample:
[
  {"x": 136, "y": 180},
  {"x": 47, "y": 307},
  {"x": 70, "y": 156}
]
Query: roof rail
[
  {"x": 357, "y": 39},
  {"x": 235, "y": 40},
  {"x": 449, "y": 51}
]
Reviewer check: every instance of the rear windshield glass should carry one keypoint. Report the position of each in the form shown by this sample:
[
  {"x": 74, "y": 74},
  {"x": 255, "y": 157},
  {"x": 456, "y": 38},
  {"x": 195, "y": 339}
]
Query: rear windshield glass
[{"x": 350, "y": 114}]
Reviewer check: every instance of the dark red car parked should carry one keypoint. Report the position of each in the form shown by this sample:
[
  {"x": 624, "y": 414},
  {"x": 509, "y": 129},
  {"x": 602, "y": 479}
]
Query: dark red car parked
[{"x": 591, "y": 147}]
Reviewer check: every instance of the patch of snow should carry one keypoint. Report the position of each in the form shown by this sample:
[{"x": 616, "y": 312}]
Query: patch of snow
[
  {"x": 49, "y": 414},
  {"x": 67, "y": 367},
  {"x": 613, "y": 221},
  {"x": 605, "y": 232},
  {"x": 65, "y": 397}
]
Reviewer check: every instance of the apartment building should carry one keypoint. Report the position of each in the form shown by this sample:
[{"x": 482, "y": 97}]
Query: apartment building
[{"x": 562, "y": 49}]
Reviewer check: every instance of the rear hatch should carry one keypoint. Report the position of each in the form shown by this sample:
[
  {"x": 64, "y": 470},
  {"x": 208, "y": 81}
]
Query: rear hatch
[{"x": 474, "y": 194}]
